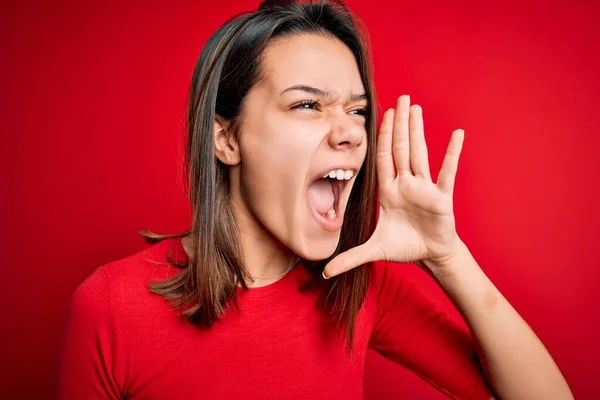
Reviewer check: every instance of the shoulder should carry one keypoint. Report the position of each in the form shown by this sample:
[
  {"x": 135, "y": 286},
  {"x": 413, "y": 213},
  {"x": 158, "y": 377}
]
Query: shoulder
[
  {"x": 390, "y": 289},
  {"x": 140, "y": 268},
  {"x": 396, "y": 293},
  {"x": 124, "y": 280},
  {"x": 388, "y": 277}
]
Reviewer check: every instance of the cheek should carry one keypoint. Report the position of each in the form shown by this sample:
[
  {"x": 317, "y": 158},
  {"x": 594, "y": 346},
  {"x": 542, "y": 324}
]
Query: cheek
[
  {"x": 273, "y": 173},
  {"x": 273, "y": 177},
  {"x": 274, "y": 160},
  {"x": 281, "y": 149}
]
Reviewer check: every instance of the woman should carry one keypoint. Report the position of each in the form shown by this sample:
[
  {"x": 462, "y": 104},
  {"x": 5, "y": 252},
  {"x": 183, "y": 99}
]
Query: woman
[{"x": 283, "y": 169}]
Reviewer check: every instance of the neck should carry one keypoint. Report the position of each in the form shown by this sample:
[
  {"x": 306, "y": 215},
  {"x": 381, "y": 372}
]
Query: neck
[{"x": 264, "y": 256}]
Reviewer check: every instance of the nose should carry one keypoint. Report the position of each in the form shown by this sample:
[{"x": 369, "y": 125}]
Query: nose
[{"x": 346, "y": 133}]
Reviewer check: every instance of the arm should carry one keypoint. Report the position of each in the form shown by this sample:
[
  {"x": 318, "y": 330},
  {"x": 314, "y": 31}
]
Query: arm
[
  {"x": 410, "y": 329},
  {"x": 416, "y": 224},
  {"x": 88, "y": 344},
  {"x": 515, "y": 361}
]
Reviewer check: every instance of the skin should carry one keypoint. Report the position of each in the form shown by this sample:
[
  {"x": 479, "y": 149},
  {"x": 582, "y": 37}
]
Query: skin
[
  {"x": 281, "y": 149},
  {"x": 414, "y": 208},
  {"x": 284, "y": 146}
]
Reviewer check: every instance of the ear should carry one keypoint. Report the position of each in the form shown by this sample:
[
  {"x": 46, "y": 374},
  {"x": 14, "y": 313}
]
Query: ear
[{"x": 226, "y": 146}]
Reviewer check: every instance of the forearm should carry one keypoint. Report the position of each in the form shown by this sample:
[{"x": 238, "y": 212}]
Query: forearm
[{"x": 516, "y": 363}]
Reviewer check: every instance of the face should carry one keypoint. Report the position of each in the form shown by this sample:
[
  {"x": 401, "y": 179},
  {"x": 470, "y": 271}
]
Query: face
[{"x": 304, "y": 121}]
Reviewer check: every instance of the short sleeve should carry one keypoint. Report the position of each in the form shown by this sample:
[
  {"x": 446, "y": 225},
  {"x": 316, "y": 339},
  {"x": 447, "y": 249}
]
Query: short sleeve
[
  {"x": 89, "y": 343},
  {"x": 410, "y": 330}
]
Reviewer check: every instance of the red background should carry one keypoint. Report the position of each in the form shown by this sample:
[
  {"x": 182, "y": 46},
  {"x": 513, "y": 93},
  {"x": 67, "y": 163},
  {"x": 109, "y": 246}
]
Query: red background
[{"x": 93, "y": 96}]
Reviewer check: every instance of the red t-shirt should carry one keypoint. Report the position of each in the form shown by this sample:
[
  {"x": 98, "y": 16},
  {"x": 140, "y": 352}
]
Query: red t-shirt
[{"x": 121, "y": 341}]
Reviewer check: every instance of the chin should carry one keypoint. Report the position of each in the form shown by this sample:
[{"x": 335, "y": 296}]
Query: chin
[{"x": 313, "y": 249}]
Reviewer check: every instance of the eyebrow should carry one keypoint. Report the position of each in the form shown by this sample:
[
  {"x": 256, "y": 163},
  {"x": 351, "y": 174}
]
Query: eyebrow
[{"x": 321, "y": 93}]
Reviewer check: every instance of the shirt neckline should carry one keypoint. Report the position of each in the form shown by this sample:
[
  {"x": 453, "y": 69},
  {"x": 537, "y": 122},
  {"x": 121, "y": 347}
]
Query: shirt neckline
[{"x": 291, "y": 281}]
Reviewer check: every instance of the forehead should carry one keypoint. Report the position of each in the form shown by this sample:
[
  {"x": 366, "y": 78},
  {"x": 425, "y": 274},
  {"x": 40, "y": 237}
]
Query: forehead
[{"x": 310, "y": 59}]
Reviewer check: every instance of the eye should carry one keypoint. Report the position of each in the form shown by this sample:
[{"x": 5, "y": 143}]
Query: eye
[
  {"x": 362, "y": 111},
  {"x": 315, "y": 105},
  {"x": 308, "y": 105}
]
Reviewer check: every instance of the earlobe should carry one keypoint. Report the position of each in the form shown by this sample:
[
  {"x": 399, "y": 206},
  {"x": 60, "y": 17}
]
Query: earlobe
[{"x": 226, "y": 146}]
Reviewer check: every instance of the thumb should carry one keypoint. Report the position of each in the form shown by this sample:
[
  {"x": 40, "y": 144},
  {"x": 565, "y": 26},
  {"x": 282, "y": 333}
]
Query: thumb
[{"x": 352, "y": 258}]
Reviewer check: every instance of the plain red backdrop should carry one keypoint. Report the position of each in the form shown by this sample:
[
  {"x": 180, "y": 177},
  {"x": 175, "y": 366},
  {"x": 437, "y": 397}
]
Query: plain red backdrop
[{"x": 93, "y": 96}]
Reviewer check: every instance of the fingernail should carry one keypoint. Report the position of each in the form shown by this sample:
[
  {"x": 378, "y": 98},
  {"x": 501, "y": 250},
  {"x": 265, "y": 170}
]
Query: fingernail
[{"x": 323, "y": 273}]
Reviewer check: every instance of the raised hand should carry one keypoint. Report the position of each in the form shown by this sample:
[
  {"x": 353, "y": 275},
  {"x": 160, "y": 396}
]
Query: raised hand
[{"x": 416, "y": 218}]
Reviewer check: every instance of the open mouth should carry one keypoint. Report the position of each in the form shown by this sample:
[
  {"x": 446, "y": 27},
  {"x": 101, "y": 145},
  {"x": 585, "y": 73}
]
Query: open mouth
[{"x": 326, "y": 198}]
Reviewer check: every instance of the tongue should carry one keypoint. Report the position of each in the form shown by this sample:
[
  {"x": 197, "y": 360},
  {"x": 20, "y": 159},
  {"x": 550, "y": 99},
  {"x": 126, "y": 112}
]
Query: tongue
[{"x": 320, "y": 194}]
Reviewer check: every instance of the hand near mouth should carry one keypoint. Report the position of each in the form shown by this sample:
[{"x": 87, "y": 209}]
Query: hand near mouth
[{"x": 416, "y": 219}]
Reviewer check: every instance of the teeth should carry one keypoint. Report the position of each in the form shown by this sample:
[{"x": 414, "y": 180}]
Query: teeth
[
  {"x": 340, "y": 174},
  {"x": 331, "y": 213}
]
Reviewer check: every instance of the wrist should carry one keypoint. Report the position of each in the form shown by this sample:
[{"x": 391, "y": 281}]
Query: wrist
[{"x": 449, "y": 263}]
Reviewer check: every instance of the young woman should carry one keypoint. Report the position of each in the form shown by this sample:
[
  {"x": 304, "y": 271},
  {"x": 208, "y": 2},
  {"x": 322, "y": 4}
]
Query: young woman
[{"x": 286, "y": 277}]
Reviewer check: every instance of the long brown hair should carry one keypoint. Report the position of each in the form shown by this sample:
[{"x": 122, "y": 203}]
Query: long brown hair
[{"x": 229, "y": 65}]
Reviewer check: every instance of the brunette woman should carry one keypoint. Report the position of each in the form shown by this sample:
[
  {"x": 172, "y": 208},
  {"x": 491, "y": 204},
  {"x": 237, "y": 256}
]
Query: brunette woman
[{"x": 286, "y": 276}]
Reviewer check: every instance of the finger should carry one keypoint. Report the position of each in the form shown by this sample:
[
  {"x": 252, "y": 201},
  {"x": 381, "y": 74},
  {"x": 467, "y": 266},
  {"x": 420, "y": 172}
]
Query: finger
[
  {"x": 385, "y": 161},
  {"x": 400, "y": 139},
  {"x": 352, "y": 258},
  {"x": 447, "y": 174},
  {"x": 419, "y": 158}
]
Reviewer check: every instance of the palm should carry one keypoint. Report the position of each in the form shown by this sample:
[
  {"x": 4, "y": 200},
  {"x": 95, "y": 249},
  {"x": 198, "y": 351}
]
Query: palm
[
  {"x": 417, "y": 223},
  {"x": 416, "y": 219}
]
